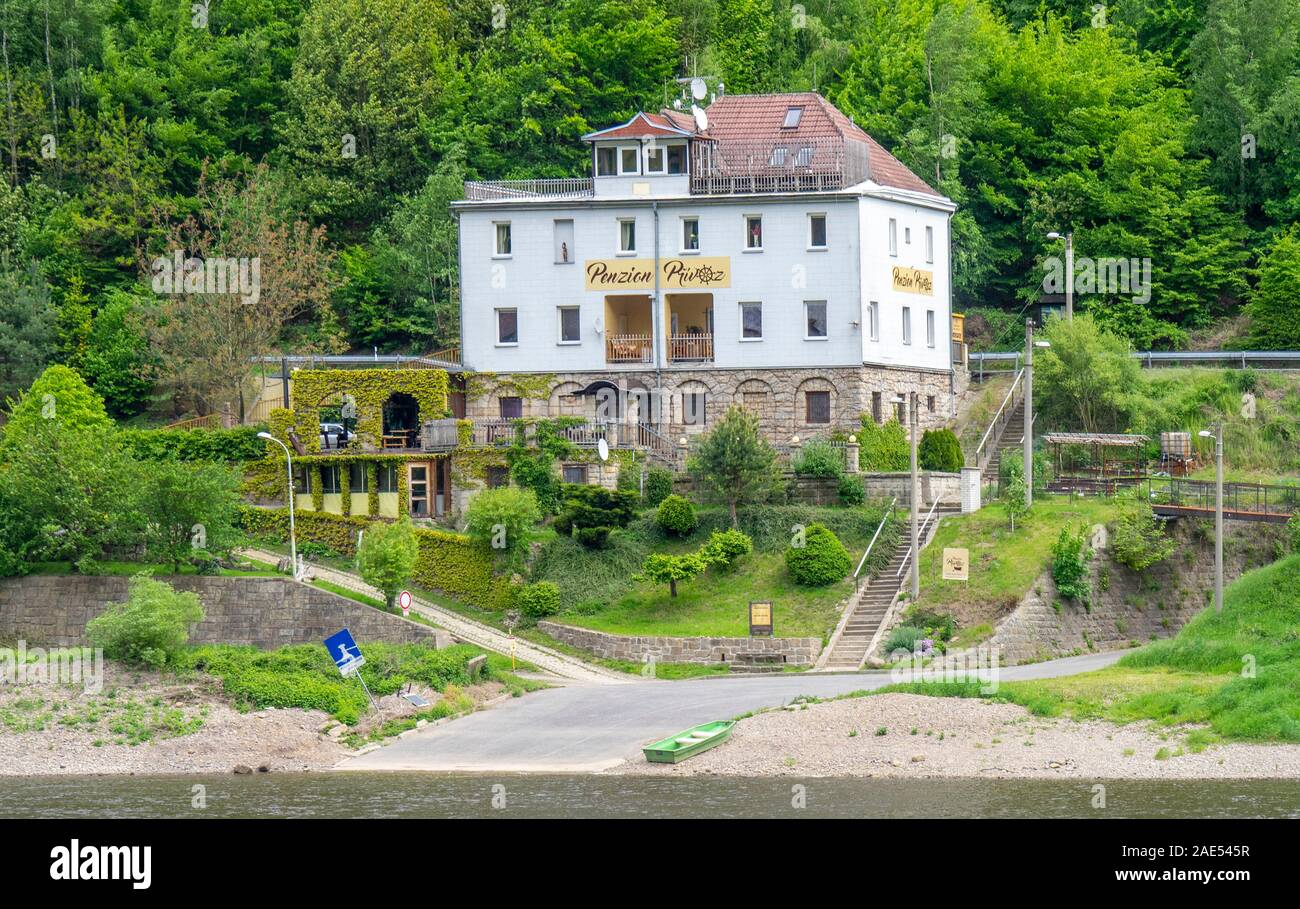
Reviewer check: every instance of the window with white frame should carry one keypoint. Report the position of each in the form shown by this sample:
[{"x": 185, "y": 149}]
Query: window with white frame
[
  {"x": 570, "y": 328},
  {"x": 751, "y": 321},
  {"x": 893, "y": 237},
  {"x": 753, "y": 231},
  {"x": 654, "y": 159},
  {"x": 814, "y": 319},
  {"x": 792, "y": 117},
  {"x": 629, "y": 161},
  {"x": 804, "y": 157},
  {"x": 929, "y": 244},
  {"x": 677, "y": 159},
  {"x": 690, "y": 234},
  {"x": 816, "y": 231},
  {"x": 873, "y": 320},
  {"x": 606, "y": 161},
  {"x": 501, "y": 245},
  {"x": 627, "y": 235},
  {"x": 778, "y": 156},
  {"x": 929, "y": 328},
  {"x": 907, "y": 325},
  {"x": 508, "y": 326}
]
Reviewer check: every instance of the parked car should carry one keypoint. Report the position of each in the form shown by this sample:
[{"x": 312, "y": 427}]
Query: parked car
[{"x": 333, "y": 435}]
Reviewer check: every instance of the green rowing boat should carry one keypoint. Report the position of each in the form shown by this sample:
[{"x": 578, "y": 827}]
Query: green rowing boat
[{"x": 691, "y": 742}]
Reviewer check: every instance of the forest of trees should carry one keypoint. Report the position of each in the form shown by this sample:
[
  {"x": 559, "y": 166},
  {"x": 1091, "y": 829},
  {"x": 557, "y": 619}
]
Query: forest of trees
[{"x": 327, "y": 137}]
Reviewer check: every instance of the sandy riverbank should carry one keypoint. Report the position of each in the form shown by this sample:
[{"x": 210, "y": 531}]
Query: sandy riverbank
[
  {"x": 957, "y": 737},
  {"x": 151, "y": 723}
]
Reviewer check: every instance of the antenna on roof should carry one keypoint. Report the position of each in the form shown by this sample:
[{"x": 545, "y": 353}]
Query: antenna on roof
[{"x": 701, "y": 118}]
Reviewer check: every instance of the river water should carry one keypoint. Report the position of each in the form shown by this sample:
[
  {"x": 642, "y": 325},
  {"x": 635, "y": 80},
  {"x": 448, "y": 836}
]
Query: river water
[{"x": 416, "y": 795}]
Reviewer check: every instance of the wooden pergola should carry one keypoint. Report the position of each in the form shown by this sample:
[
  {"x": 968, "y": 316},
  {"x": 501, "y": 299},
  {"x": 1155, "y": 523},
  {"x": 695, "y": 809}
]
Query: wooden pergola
[{"x": 1100, "y": 443}]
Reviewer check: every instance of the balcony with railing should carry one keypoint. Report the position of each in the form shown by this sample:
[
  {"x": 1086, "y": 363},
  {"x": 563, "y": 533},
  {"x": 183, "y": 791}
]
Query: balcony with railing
[
  {"x": 629, "y": 348},
  {"x": 506, "y": 190},
  {"x": 690, "y": 348},
  {"x": 771, "y": 166}
]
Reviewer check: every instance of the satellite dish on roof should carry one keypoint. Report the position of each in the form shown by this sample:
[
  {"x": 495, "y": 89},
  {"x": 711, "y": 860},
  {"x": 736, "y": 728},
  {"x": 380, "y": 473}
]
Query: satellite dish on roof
[
  {"x": 677, "y": 103},
  {"x": 698, "y": 88},
  {"x": 701, "y": 118},
  {"x": 602, "y": 449}
]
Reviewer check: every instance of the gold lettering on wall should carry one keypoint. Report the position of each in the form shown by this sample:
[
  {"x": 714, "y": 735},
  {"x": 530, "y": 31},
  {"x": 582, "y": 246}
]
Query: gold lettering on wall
[
  {"x": 913, "y": 280},
  {"x": 693, "y": 273}
]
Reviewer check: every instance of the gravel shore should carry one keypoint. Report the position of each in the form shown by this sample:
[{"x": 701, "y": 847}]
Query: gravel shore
[
  {"x": 148, "y": 723},
  {"x": 906, "y": 735}
]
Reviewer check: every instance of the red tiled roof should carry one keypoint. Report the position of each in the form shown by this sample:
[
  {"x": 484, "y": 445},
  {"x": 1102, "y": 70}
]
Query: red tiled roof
[
  {"x": 758, "y": 119},
  {"x": 642, "y": 126}
]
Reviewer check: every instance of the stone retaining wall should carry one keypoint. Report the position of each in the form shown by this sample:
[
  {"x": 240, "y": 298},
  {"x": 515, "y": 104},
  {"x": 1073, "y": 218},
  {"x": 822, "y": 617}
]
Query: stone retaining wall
[
  {"x": 263, "y": 612},
  {"x": 795, "y": 651},
  {"x": 943, "y": 487}
]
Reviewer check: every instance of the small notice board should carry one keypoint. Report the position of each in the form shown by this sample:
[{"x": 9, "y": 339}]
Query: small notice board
[
  {"x": 760, "y": 617},
  {"x": 956, "y": 564}
]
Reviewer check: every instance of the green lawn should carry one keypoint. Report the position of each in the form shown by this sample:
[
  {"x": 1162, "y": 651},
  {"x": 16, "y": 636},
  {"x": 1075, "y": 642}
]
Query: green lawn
[
  {"x": 717, "y": 604},
  {"x": 1004, "y": 564}
]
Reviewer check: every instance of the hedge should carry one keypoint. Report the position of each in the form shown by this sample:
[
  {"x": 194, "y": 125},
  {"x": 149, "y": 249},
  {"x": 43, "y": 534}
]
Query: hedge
[
  {"x": 449, "y": 562},
  {"x": 234, "y": 445}
]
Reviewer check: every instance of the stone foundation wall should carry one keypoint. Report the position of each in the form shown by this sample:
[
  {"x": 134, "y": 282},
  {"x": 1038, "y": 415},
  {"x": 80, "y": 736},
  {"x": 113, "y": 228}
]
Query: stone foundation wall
[
  {"x": 777, "y": 394},
  {"x": 263, "y": 612},
  {"x": 795, "y": 651},
  {"x": 943, "y": 487},
  {"x": 1135, "y": 607}
]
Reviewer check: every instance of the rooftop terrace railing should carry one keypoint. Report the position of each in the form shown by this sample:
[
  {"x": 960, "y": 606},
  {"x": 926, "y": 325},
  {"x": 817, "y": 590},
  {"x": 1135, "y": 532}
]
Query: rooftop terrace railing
[{"x": 505, "y": 190}]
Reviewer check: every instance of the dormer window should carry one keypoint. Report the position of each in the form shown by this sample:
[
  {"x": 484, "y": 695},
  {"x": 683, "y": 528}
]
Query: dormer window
[
  {"x": 606, "y": 162},
  {"x": 627, "y": 161},
  {"x": 792, "y": 117},
  {"x": 804, "y": 157},
  {"x": 677, "y": 159},
  {"x": 778, "y": 156}
]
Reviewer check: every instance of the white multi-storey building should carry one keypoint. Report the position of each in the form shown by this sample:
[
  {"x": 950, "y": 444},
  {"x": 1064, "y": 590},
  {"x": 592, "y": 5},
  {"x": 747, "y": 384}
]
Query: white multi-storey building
[{"x": 768, "y": 253}]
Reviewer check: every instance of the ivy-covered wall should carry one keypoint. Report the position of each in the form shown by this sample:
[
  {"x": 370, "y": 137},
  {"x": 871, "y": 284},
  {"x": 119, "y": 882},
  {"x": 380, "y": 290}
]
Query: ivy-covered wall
[
  {"x": 370, "y": 388},
  {"x": 449, "y": 562}
]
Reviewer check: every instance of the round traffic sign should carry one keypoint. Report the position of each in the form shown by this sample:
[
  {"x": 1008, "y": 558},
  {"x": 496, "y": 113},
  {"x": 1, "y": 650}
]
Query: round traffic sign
[{"x": 404, "y": 600}]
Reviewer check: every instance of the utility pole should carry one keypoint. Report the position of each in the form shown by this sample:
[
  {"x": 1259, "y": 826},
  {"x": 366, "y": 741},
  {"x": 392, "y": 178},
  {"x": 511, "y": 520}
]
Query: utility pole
[
  {"x": 916, "y": 506},
  {"x": 1218, "y": 518},
  {"x": 1069, "y": 276},
  {"x": 1029, "y": 413}
]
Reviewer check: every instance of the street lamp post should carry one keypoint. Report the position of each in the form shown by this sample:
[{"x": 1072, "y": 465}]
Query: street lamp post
[
  {"x": 1217, "y": 435},
  {"x": 1029, "y": 414},
  {"x": 288, "y": 460},
  {"x": 1069, "y": 271}
]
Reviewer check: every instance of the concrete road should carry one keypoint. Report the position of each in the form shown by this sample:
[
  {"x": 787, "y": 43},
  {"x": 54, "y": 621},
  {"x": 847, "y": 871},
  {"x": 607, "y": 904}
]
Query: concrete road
[{"x": 589, "y": 727}]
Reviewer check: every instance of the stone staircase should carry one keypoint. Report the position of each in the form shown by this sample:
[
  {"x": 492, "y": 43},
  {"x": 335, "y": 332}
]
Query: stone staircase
[
  {"x": 870, "y": 605},
  {"x": 1013, "y": 435}
]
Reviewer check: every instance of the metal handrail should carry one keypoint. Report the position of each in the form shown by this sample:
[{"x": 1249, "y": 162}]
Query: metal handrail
[
  {"x": 979, "y": 459},
  {"x": 908, "y": 554},
  {"x": 888, "y": 513},
  {"x": 1151, "y": 358}
]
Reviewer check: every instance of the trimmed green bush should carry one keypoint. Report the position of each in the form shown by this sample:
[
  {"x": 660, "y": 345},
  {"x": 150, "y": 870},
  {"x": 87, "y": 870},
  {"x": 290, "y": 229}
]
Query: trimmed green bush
[
  {"x": 150, "y": 628},
  {"x": 904, "y": 637},
  {"x": 676, "y": 515},
  {"x": 821, "y": 560},
  {"x": 818, "y": 458},
  {"x": 885, "y": 449},
  {"x": 539, "y": 600},
  {"x": 500, "y": 518},
  {"x": 852, "y": 491},
  {"x": 726, "y": 547},
  {"x": 593, "y": 537},
  {"x": 939, "y": 450},
  {"x": 658, "y": 484}
]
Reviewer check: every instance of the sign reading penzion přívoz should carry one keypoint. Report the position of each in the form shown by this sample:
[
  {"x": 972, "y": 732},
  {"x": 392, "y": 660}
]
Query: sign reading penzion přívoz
[
  {"x": 913, "y": 280},
  {"x": 686, "y": 273}
]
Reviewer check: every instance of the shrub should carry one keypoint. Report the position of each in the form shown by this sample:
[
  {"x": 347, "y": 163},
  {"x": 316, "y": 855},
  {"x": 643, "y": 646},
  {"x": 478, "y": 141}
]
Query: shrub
[
  {"x": 629, "y": 479},
  {"x": 935, "y": 624},
  {"x": 669, "y": 569},
  {"x": 818, "y": 458},
  {"x": 593, "y": 537},
  {"x": 590, "y": 508},
  {"x": 1069, "y": 567},
  {"x": 500, "y": 517},
  {"x": 676, "y": 515},
  {"x": 387, "y": 557},
  {"x": 658, "y": 484},
  {"x": 539, "y": 600},
  {"x": 734, "y": 461},
  {"x": 1139, "y": 541},
  {"x": 904, "y": 637},
  {"x": 884, "y": 448},
  {"x": 821, "y": 560},
  {"x": 940, "y": 450},
  {"x": 852, "y": 491},
  {"x": 1293, "y": 532},
  {"x": 725, "y": 547},
  {"x": 150, "y": 628}
]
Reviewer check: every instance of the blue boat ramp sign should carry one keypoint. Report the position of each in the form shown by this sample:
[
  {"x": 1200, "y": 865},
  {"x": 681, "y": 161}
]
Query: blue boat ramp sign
[{"x": 344, "y": 651}]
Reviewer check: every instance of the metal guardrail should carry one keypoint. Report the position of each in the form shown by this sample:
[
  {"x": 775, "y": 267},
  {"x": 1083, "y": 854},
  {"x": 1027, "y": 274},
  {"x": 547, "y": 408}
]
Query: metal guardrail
[
  {"x": 857, "y": 579},
  {"x": 558, "y": 188},
  {"x": 1000, "y": 420},
  {"x": 1264, "y": 359},
  {"x": 924, "y": 524}
]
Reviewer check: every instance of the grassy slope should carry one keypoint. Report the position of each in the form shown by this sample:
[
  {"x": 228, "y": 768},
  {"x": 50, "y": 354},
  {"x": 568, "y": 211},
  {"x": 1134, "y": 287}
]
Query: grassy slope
[
  {"x": 1196, "y": 677},
  {"x": 1004, "y": 564}
]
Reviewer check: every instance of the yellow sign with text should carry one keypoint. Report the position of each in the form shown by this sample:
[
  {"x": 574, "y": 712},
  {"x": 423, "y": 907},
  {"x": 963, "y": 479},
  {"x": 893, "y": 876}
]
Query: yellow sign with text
[
  {"x": 685, "y": 273},
  {"x": 956, "y": 564},
  {"x": 913, "y": 280}
]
